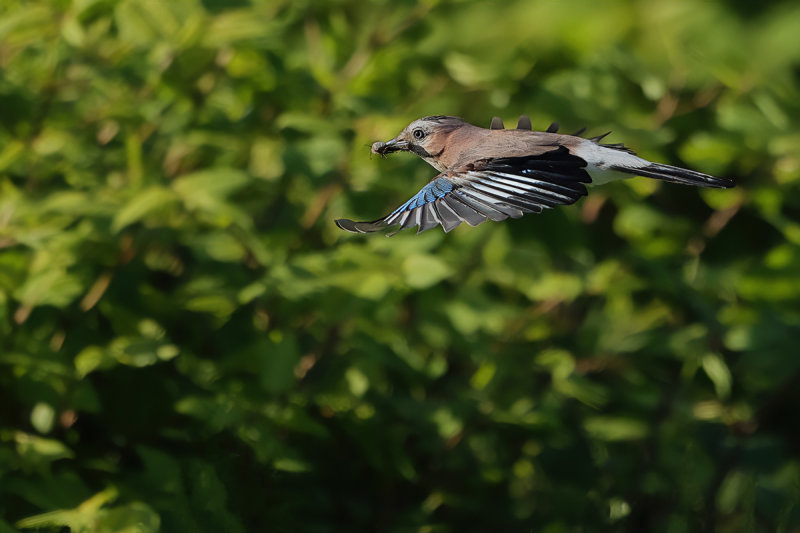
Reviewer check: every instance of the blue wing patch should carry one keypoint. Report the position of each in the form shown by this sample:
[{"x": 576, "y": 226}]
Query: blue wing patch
[{"x": 429, "y": 193}]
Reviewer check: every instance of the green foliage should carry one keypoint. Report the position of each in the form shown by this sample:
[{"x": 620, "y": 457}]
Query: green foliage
[{"x": 188, "y": 343}]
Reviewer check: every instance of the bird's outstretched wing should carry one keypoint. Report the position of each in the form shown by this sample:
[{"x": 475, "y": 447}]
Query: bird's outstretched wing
[{"x": 493, "y": 189}]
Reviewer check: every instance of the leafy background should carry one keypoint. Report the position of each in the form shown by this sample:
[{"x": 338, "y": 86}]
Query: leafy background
[{"x": 188, "y": 343}]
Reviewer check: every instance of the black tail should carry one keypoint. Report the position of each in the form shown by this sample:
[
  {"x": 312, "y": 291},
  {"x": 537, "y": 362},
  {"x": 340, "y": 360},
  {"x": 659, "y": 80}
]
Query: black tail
[{"x": 679, "y": 175}]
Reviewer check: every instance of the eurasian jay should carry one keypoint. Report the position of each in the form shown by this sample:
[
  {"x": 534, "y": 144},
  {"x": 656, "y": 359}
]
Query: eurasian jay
[{"x": 497, "y": 173}]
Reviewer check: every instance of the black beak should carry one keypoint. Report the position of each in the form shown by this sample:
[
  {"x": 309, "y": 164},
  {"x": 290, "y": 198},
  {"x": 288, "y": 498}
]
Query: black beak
[{"x": 383, "y": 148}]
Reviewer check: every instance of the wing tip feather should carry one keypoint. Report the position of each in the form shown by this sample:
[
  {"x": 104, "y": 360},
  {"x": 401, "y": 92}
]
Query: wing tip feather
[{"x": 359, "y": 227}]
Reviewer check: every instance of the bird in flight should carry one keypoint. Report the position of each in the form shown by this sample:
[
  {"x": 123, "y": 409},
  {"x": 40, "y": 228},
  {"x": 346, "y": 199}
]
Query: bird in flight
[{"x": 497, "y": 173}]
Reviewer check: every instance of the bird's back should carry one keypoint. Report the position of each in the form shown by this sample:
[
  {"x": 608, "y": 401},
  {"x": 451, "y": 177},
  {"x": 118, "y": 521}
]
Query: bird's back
[{"x": 470, "y": 144}]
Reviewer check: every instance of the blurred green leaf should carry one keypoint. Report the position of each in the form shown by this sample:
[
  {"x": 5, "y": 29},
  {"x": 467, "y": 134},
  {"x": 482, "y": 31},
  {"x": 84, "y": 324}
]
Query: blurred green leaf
[
  {"x": 615, "y": 428},
  {"x": 38, "y": 450},
  {"x": 50, "y": 287},
  {"x": 89, "y": 517},
  {"x": 422, "y": 271},
  {"x": 42, "y": 417},
  {"x": 718, "y": 373},
  {"x": 135, "y": 517},
  {"x": 148, "y": 202}
]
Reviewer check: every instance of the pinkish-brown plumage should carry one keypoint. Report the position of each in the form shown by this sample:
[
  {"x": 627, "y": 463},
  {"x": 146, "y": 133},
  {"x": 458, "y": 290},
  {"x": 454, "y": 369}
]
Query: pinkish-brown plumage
[{"x": 498, "y": 173}]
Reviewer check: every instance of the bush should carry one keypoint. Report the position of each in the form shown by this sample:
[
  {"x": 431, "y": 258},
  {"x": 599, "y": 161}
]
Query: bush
[{"x": 188, "y": 343}]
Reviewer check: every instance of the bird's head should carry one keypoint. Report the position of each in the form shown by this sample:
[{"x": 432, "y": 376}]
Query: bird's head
[{"x": 425, "y": 137}]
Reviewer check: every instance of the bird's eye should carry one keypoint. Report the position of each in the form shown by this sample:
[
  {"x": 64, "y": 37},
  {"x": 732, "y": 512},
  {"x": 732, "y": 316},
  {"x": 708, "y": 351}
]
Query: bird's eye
[{"x": 419, "y": 134}]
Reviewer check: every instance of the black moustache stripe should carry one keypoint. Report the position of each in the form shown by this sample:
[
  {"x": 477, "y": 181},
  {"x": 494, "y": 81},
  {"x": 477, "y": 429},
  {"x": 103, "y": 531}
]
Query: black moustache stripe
[{"x": 419, "y": 150}]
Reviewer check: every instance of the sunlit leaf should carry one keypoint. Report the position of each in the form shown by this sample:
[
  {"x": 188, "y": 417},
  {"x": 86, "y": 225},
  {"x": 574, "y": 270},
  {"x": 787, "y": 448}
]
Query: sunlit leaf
[
  {"x": 615, "y": 428},
  {"x": 150, "y": 201}
]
